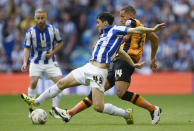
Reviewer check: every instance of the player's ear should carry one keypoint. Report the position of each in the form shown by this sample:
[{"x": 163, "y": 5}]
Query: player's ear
[{"x": 106, "y": 23}]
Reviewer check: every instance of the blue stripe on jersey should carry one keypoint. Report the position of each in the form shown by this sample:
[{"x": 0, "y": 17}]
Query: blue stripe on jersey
[
  {"x": 109, "y": 45},
  {"x": 103, "y": 60},
  {"x": 114, "y": 49},
  {"x": 32, "y": 49},
  {"x": 36, "y": 61},
  {"x": 104, "y": 55},
  {"x": 26, "y": 45},
  {"x": 53, "y": 44},
  {"x": 97, "y": 50},
  {"x": 111, "y": 42},
  {"x": 53, "y": 57},
  {"x": 48, "y": 43}
]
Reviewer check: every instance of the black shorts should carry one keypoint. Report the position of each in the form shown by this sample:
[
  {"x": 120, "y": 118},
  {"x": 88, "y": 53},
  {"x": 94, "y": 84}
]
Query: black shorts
[{"x": 120, "y": 71}]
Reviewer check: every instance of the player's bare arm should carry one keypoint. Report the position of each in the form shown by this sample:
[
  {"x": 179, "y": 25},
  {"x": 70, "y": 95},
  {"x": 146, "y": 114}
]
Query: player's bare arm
[
  {"x": 26, "y": 55},
  {"x": 128, "y": 59},
  {"x": 126, "y": 37},
  {"x": 51, "y": 53},
  {"x": 154, "y": 40},
  {"x": 140, "y": 30}
]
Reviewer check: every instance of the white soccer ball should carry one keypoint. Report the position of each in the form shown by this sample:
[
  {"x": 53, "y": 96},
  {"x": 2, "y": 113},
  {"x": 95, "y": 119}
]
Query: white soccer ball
[{"x": 39, "y": 116}]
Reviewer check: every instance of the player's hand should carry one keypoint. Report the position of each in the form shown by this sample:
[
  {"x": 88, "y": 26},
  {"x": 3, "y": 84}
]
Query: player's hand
[
  {"x": 24, "y": 67},
  {"x": 49, "y": 54},
  {"x": 139, "y": 65},
  {"x": 153, "y": 65},
  {"x": 159, "y": 27},
  {"x": 126, "y": 37}
]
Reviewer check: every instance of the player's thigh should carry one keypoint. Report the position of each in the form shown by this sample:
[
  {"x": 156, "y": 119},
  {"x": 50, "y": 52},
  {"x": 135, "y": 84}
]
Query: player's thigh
[
  {"x": 110, "y": 82},
  {"x": 98, "y": 99},
  {"x": 67, "y": 82},
  {"x": 123, "y": 72},
  {"x": 121, "y": 87},
  {"x": 96, "y": 77},
  {"x": 52, "y": 70},
  {"x": 35, "y": 70}
]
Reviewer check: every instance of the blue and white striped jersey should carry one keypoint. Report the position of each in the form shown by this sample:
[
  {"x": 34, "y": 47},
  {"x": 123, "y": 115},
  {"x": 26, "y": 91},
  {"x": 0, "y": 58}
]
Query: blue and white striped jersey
[
  {"x": 42, "y": 42},
  {"x": 108, "y": 43}
]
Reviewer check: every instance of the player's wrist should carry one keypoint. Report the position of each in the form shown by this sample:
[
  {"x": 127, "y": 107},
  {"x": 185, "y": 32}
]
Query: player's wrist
[{"x": 24, "y": 63}]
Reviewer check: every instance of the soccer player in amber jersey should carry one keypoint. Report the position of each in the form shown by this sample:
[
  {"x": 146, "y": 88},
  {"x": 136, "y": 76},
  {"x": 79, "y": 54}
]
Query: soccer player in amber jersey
[{"x": 121, "y": 72}]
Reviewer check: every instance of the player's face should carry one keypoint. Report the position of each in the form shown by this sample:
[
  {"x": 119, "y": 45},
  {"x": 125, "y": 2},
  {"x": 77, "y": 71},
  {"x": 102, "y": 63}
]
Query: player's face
[
  {"x": 100, "y": 25},
  {"x": 40, "y": 19},
  {"x": 123, "y": 17}
]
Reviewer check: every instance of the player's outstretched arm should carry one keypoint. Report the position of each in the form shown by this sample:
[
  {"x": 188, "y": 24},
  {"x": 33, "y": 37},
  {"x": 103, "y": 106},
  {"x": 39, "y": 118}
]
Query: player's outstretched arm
[
  {"x": 140, "y": 30},
  {"x": 154, "y": 41},
  {"x": 128, "y": 59}
]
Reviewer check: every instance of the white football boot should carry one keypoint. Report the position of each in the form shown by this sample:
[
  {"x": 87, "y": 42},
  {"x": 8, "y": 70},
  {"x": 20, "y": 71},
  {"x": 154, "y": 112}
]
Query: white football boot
[
  {"x": 62, "y": 113},
  {"x": 52, "y": 113},
  {"x": 155, "y": 115}
]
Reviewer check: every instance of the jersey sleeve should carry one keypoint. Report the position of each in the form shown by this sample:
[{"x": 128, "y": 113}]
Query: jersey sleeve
[
  {"x": 28, "y": 40},
  {"x": 57, "y": 35},
  {"x": 121, "y": 30}
]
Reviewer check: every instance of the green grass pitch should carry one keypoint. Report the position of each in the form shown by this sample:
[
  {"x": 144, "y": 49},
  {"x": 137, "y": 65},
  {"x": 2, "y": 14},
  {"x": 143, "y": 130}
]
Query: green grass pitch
[{"x": 178, "y": 115}]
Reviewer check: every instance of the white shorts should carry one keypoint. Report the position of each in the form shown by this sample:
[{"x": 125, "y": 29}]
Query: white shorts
[
  {"x": 91, "y": 75},
  {"x": 50, "y": 70}
]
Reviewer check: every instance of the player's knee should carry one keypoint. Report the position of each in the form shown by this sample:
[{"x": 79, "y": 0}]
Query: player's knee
[
  {"x": 98, "y": 107},
  {"x": 60, "y": 84},
  {"x": 33, "y": 84}
]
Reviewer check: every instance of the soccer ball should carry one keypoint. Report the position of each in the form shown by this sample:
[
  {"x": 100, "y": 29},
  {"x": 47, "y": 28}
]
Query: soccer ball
[{"x": 39, "y": 116}]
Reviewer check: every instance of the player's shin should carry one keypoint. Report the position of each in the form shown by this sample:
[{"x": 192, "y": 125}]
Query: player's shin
[
  {"x": 138, "y": 100},
  {"x": 56, "y": 99},
  {"x": 49, "y": 93},
  {"x": 113, "y": 110},
  {"x": 82, "y": 105},
  {"x": 31, "y": 92}
]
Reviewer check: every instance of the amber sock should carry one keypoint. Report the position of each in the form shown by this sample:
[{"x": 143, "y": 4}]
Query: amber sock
[
  {"x": 138, "y": 100},
  {"x": 82, "y": 105}
]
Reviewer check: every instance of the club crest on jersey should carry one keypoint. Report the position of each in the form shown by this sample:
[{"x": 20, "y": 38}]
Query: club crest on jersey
[{"x": 43, "y": 44}]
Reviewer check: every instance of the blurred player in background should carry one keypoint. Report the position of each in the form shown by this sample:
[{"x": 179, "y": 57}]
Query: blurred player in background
[
  {"x": 42, "y": 41},
  {"x": 95, "y": 72},
  {"x": 120, "y": 72}
]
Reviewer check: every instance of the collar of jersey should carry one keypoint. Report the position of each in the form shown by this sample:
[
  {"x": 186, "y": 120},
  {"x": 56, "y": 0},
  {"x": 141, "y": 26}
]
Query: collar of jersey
[
  {"x": 106, "y": 29},
  {"x": 40, "y": 30}
]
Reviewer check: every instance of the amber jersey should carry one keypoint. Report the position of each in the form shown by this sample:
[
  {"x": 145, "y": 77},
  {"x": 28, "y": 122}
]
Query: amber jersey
[{"x": 135, "y": 44}]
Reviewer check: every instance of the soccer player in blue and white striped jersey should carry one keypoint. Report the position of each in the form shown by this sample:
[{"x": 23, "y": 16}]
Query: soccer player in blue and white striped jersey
[
  {"x": 42, "y": 41},
  {"x": 95, "y": 72}
]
